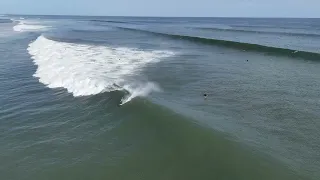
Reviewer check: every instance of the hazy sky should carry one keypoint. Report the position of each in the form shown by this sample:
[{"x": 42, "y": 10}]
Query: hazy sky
[{"x": 234, "y": 8}]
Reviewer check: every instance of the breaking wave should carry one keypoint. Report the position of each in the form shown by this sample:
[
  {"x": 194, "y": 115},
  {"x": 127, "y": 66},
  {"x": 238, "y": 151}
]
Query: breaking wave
[
  {"x": 88, "y": 70},
  {"x": 26, "y": 26}
]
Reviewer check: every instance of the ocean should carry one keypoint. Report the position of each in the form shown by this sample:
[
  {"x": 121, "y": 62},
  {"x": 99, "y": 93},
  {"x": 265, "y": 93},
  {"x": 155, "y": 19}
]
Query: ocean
[{"x": 123, "y": 98}]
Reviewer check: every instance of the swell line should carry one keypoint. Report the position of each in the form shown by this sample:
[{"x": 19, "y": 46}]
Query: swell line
[
  {"x": 5, "y": 21},
  {"x": 107, "y": 21},
  {"x": 237, "y": 45},
  {"x": 262, "y": 32}
]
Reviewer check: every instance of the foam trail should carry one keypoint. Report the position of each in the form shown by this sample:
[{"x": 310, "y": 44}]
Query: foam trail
[{"x": 88, "y": 70}]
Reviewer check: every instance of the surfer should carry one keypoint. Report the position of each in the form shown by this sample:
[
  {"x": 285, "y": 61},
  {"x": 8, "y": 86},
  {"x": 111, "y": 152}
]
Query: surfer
[{"x": 205, "y": 95}]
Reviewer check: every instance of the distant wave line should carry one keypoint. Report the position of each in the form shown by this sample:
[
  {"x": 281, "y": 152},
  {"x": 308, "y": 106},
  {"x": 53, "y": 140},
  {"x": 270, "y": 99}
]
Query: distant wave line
[
  {"x": 261, "y": 32},
  {"x": 294, "y": 53}
]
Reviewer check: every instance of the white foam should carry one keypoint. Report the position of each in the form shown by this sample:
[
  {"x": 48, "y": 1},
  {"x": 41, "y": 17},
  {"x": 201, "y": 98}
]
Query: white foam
[
  {"x": 88, "y": 70},
  {"x": 139, "y": 90},
  {"x": 24, "y": 26}
]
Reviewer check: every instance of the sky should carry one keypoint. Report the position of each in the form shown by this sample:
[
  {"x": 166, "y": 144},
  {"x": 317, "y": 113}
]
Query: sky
[{"x": 175, "y": 8}]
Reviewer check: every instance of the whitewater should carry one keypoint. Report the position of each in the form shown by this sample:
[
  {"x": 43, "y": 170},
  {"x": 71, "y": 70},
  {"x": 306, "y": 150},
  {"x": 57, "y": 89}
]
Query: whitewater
[
  {"x": 89, "y": 69},
  {"x": 28, "y": 25},
  {"x": 85, "y": 70}
]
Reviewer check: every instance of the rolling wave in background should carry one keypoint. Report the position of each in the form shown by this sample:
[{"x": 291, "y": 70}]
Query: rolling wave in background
[
  {"x": 237, "y": 45},
  {"x": 28, "y": 26},
  {"x": 260, "y": 32}
]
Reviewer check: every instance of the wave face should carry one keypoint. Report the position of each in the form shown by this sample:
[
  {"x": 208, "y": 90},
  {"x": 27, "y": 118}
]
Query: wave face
[
  {"x": 251, "y": 47},
  {"x": 25, "y": 26},
  {"x": 88, "y": 70}
]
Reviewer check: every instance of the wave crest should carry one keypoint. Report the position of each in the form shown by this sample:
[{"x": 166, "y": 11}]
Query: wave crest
[
  {"x": 25, "y": 26},
  {"x": 88, "y": 70}
]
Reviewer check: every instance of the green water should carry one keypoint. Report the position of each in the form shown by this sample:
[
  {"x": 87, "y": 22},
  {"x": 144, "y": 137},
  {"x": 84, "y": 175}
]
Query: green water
[{"x": 60, "y": 117}]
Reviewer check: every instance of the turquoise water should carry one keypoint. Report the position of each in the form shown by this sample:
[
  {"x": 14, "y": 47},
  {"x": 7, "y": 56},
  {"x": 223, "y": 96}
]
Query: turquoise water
[{"x": 63, "y": 79}]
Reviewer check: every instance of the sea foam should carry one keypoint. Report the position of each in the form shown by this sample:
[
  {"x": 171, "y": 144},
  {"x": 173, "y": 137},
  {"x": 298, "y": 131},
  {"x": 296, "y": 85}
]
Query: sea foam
[
  {"x": 88, "y": 70},
  {"x": 24, "y": 26}
]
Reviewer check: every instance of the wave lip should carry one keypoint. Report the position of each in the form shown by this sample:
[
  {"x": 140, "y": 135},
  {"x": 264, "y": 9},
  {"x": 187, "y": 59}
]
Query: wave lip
[{"x": 88, "y": 70}]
